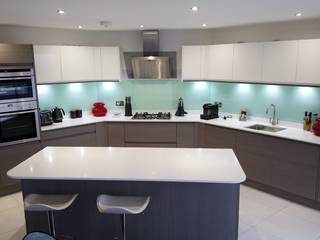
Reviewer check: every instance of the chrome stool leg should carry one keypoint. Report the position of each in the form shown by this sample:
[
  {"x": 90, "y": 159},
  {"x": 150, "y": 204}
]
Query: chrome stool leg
[
  {"x": 52, "y": 228},
  {"x": 123, "y": 226}
]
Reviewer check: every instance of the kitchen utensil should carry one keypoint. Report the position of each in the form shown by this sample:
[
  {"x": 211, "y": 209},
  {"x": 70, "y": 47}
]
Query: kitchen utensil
[
  {"x": 180, "y": 110},
  {"x": 128, "y": 107},
  {"x": 57, "y": 114},
  {"x": 99, "y": 109}
]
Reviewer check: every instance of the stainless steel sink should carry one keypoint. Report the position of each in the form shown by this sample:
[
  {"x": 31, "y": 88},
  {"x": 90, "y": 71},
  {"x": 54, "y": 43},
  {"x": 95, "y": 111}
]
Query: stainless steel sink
[{"x": 266, "y": 128}]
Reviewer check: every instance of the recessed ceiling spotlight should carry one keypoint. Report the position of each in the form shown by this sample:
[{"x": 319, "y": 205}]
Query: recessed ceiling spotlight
[
  {"x": 298, "y": 14},
  {"x": 204, "y": 24},
  {"x": 80, "y": 26},
  {"x": 194, "y": 8},
  {"x": 61, "y": 12},
  {"x": 141, "y": 26}
]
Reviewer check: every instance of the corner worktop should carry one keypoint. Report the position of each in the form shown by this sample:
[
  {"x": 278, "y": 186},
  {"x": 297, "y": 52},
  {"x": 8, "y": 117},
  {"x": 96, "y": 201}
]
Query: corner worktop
[
  {"x": 132, "y": 164},
  {"x": 291, "y": 133}
]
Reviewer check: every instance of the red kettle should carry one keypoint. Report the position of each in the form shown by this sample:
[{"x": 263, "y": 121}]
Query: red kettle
[
  {"x": 99, "y": 110},
  {"x": 316, "y": 127}
]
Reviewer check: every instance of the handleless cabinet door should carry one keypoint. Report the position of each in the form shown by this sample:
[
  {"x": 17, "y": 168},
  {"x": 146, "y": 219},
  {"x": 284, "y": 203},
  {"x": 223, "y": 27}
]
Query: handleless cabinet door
[
  {"x": 280, "y": 62},
  {"x": 80, "y": 63},
  {"x": 193, "y": 62},
  {"x": 219, "y": 62},
  {"x": 247, "y": 62},
  {"x": 308, "y": 62},
  {"x": 47, "y": 64},
  {"x": 110, "y": 63}
]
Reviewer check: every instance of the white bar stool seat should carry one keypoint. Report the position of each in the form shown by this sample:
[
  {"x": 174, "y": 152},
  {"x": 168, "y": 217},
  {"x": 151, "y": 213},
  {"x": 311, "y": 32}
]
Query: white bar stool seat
[
  {"x": 49, "y": 203},
  {"x": 122, "y": 205}
]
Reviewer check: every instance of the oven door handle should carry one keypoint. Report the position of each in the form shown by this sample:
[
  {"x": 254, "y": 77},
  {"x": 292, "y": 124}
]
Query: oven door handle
[
  {"x": 18, "y": 112},
  {"x": 16, "y": 78}
]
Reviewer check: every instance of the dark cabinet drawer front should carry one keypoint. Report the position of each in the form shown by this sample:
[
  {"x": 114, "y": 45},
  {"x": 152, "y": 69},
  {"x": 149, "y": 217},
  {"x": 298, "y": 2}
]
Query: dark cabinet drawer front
[
  {"x": 283, "y": 164},
  {"x": 217, "y": 137},
  {"x": 151, "y": 132},
  {"x": 155, "y": 145},
  {"x": 295, "y": 178},
  {"x": 61, "y": 133},
  {"x": 80, "y": 140}
]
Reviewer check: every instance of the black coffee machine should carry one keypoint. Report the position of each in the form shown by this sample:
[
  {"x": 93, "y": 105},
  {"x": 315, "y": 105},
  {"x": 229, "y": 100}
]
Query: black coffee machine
[
  {"x": 128, "y": 107},
  {"x": 180, "y": 110},
  {"x": 210, "y": 111}
]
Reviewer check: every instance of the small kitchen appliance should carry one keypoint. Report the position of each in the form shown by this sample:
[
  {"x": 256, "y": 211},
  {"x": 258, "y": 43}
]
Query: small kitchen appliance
[
  {"x": 151, "y": 116},
  {"x": 46, "y": 118},
  {"x": 99, "y": 109},
  {"x": 316, "y": 127},
  {"x": 19, "y": 122},
  {"x": 57, "y": 114},
  {"x": 180, "y": 110},
  {"x": 210, "y": 111},
  {"x": 128, "y": 107}
]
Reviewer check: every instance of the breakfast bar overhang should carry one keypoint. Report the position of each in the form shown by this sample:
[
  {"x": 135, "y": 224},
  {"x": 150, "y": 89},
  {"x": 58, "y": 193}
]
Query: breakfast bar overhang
[{"x": 194, "y": 193}]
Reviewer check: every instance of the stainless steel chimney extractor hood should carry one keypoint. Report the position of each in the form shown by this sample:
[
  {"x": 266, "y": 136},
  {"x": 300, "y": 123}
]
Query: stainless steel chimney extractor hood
[{"x": 151, "y": 63}]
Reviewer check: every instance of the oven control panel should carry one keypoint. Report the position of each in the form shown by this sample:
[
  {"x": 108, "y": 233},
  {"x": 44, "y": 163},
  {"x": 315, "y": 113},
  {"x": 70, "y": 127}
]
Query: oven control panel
[{"x": 18, "y": 106}]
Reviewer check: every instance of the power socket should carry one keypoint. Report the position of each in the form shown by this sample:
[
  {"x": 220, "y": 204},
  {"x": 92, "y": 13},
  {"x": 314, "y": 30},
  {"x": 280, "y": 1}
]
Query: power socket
[
  {"x": 219, "y": 104},
  {"x": 119, "y": 103}
]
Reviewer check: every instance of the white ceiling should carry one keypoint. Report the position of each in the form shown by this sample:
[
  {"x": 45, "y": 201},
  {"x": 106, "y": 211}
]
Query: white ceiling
[{"x": 158, "y": 14}]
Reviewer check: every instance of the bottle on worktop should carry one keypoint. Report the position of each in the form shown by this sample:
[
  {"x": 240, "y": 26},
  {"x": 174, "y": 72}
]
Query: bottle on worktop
[{"x": 305, "y": 121}]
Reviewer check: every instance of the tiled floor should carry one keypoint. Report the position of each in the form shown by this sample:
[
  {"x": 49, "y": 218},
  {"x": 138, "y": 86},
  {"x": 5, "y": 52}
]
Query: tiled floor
[{"x": 262, "y": 217}]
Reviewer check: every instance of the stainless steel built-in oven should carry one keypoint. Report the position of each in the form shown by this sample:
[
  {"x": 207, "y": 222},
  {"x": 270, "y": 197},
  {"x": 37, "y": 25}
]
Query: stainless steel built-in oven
[
  {"x": 19, "y": 122},
  {"x": 17, "y": 85}
]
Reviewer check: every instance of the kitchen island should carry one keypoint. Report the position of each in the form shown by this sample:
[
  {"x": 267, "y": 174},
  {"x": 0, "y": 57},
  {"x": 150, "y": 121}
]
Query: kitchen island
[{"x": 194, "y": 192}]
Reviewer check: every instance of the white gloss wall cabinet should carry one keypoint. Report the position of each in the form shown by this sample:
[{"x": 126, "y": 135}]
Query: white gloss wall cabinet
[
  {"x": 308, "y": 71},
  {"x": 193, "y": 61},
  {"x": 47, "y": 64},
  {"x": 247, "y": 62},
  {"x": 58, "y": 64},
  {"x": 110, "y": 63},
  {"x": 79, "y": 63},
  {"x": 219, "y": 62},
  {"x": 280, "y": 62}
]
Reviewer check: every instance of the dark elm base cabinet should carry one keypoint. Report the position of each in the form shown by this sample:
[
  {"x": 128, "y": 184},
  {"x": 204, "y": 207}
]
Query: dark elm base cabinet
[
  {"x": 287, "y": 168},
  {"x": 283, "y": 167},
  {"x": 185, "y": 211}
]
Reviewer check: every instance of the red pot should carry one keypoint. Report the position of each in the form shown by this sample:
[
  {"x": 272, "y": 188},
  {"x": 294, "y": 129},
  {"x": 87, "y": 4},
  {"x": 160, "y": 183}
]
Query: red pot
[
  {"x": 99, "y": 110},
  {"x": 316, "y": 127}
]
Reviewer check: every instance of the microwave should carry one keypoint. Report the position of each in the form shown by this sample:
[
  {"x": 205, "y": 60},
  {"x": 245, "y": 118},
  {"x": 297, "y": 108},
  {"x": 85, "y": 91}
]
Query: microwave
[
  {"x": 17, "y": 85},
  {"x": 19, "y": 123}
]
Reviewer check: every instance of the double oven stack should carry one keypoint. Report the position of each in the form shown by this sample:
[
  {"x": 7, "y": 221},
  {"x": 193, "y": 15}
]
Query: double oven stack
[{"x": 19, "y": 113}]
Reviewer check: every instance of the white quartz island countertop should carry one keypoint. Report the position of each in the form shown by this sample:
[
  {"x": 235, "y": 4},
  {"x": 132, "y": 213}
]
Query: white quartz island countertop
[{"x": 132, "y": 164}]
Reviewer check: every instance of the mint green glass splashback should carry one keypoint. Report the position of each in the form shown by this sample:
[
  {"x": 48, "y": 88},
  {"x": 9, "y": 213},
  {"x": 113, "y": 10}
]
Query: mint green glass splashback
[{"x": 153, "y": 95}]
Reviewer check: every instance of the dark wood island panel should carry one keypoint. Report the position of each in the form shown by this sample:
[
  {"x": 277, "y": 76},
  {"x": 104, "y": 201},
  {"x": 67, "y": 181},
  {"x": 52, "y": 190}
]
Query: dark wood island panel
[{"x": 186, "y": 211}]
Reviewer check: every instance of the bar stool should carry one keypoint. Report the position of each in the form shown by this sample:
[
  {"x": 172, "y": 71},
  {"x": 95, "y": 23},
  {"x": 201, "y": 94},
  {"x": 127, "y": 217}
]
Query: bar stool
[
  {"x": 49, "y": 203},
  {"x": 122, "y": 205}
]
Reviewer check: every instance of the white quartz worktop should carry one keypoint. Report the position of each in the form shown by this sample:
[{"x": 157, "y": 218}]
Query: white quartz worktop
[
  {"x": 292, "y": 133},
  {"x": 132, "y": 164}
]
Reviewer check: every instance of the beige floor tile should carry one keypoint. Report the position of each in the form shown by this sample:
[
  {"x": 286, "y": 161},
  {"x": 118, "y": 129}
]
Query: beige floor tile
[
  {"x": 16, "y": 234},
  {"x": 257, "y": 234},
  {"x": 18, "y": 197},
  {"x": 303, "y": 212},
  {"x": 8, "y": 202},
  {"x": 11, "y": 219},
  {"x": 290, "y": 227}
]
